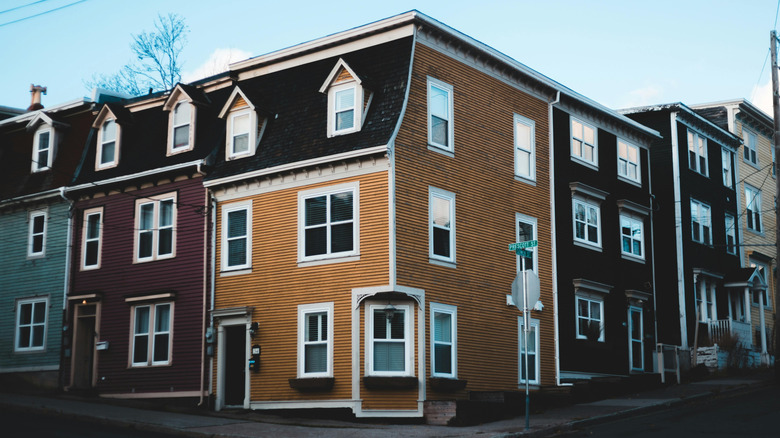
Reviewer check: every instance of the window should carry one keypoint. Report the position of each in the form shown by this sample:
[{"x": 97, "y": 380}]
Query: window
[
  {"x": 587, "y": 216},
  {"x": 108, "y": 145},
  {"x": 444, "y": 321},
  {"x": 532, "y": 374},
  {"x": 631, "y": 236},
  {"x": 590, "y": 323},
  {"x": 701, "y": 222},
  {"x": 37, "y": 237},
  {"x": 239, "y": 131},
  {"x": 697, "y": 153},
  {"x": 155, "y": 227},
  {"x": 42, "y": 149},
  {"x": 751, "y": 147},
  {"x": 181, "y": 127},
  {"x": 390, "y": 340},
  {"x": 152, "y": 331},
  {"x": 525, "y": 152},
  {"x": 753, "y": 208},
  {"x": 628, "y": 161},
  {"x": 440, "y": 126},
  {"x": 706, "y": 305},
  {"x": 731, "y": 235},
  {"x": 315, "y": 342},
  {"x": 636, "y": 331},
  {"x": 442, "y": 225},
  {"x": 526, "y": 230},
  {"x": 92, "y": 232},
  {"x": 328, "y": 222},
  {"x": 583, "y": 142},
  {"x": 31, "y": 324},
  {"x": 236, "y": 250},
  {"x": 727, "y": 159},
  {"x": 344, "y": 111}
]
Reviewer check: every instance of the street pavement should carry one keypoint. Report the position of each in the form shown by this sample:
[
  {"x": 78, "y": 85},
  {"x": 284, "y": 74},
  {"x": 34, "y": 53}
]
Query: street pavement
[{"x": 239, "y": 424}]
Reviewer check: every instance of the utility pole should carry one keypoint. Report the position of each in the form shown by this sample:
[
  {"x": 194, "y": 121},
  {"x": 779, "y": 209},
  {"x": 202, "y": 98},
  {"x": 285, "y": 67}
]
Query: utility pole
[{"x": 776, "y": 145}]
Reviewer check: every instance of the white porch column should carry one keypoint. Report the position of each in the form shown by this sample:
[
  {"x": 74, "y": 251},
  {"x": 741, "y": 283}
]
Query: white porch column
[
  {"x": 714, "y": 310},
  {"x": 764, "y": 355},
  {"x": 746, "y": 305},
  {"x": 703, "y": 295}
]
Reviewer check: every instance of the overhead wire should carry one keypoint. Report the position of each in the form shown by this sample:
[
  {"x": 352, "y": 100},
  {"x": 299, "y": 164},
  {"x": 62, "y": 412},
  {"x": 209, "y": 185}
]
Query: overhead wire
[{"x": 41, "y": 13}]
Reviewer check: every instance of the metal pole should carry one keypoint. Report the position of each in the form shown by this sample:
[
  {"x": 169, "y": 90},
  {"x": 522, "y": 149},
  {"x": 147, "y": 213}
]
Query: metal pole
[
  {"x": 776, "y": 145},
  {"x": 526, "y": 322}
]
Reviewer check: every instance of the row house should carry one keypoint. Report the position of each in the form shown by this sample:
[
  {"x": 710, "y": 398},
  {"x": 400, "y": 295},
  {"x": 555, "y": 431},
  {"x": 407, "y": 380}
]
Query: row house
[
  {"x": 756, "y": 196},
  {"x": 699, "y": 277},
  {"x": 39, "y": 151},
  {"x": 135, "y": 316}
]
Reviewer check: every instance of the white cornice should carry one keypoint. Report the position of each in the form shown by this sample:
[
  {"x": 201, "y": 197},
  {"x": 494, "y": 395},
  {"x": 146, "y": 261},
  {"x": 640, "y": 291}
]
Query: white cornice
[{"x": 133, "y": 176}]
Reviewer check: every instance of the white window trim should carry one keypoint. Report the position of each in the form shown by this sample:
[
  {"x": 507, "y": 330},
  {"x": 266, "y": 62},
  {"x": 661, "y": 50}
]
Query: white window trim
[
  {"x": 45, "y": 324},
  {"x": 31, "y": 233},
  {"x": 85, "y": 239},
  {"x": 519, "y": 217},
  {"x": 99, "y": 151},
  {"x": 638, "y": 163},
  {"x": 641, "y": 222},
  {"x": 353, "y": 187},
  {"x": 172, "y": 127},
  {"x": 589, "y": 299},
  {"x": 701, "y": 227},
  {"x": 591, "y": 291},
  {"x": 303, "y": 311},
  {"x": 731, "y": 231},
  {"x": 228, "y": 208},
  {"x": 434, "y": 192},
  {"x": 450, "y": 147},
  {"x": 156, "y": 200},
  {"x": 694, "y": 136},
  {"x": 408, "y": 340},
  {"x": 518, "y": 119},
  {"x": 586, "y": 203},
  {"x": 534, "y": 323},
  {"x": 582, "y": 159},
  {"x": 36, "y": 166},
  {"x": 357, "y": 108},
  {"x": 453, "y": 312},
  {"x": 727, "y": 164},
  {"x": 746, "y": 136},
  {"x": 252, "y": 140},
  {"x": 632, "y": 365},
  {"x": 151, "y": 334},
  {"x": 756, "y": 194},
  {"x": 766, "y": 292}
]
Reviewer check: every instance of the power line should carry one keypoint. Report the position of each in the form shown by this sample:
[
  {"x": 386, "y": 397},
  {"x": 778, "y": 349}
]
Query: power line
[
  {"x": 42, "y": 13},
  {"x": 23, "y": 6}
]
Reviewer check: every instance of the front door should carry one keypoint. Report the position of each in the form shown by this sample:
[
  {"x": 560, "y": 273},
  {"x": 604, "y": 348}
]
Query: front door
[
  {"x": 235, "y": 365},
  {"x": 84, "y": 346},
  {"x": 636, "y": 345}
]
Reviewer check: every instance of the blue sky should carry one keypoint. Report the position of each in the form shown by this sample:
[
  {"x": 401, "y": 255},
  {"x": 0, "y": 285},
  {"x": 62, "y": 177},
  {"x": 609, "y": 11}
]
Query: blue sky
[{"x": 619, "y": 53}]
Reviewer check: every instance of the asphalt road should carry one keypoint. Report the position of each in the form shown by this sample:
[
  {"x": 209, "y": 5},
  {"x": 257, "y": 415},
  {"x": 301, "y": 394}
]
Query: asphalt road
[{"x": 753, "y": 414}]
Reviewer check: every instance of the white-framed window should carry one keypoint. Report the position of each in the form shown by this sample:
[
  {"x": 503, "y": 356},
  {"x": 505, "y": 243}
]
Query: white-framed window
[
  {"x": 628, "y": 161},
  {"x": 444, "y": 336},
  {"x": 750, "y": 151},
  {"x": 706, "y": 304},
  {"x": 152, "y": 334},
  {"x": 441, "y": 240},
  {"x": 43, "y": 149},
  {"x": 328, "y": 222},
  {"x": 584, "y": 142},
  {"x": 92, "y": 241},
  {"x": 236, "y": 239},
  {"x": 182, "y": 121},
  {"x": 526, "y": 230},
  {"x": 31, "y": 317},
  {"x": 38, "y": 224},
  {"x": 155, "y": 222},
  {"x": 532, "y": 350},
  {"x": 756, "y": 295},
  {"x": 344, "y": 108},
  {"x": 315, "y": 340},
  {"x": 108, "y": 145},
  {"x": 440, "y": 112},
  {"x": 731, "y": 234},
  {"x": 632, "y": 236},
  {"x": 590, "y": 318},
  {"x": 239, "y": 133},
  {"x": 701, "y": 222},
  {"x": 587, "y": 221},
  {"x": 697, "y": 153},
  {"x": 390, "y": 351},
  {"x": 525, "y": 150},
  {"x": 727, "y": 160},
  {"x": 753, "y": 208}
]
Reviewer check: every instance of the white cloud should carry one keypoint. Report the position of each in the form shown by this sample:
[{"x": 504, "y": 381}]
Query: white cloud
[
  {"x": 762, "y": 97},
  {"x": 218, "y": 62}
]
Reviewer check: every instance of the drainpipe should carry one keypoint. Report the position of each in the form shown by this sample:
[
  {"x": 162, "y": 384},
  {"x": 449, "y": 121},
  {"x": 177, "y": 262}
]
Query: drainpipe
[
  {"x": 554, "y": 240},
  {"x": 66, "y": 281},
  {"x": 678, "y": 231},
  {"x": 205, "y": 288}
]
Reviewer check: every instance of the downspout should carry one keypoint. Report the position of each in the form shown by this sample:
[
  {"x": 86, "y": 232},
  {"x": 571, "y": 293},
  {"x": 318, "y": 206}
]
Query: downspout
[
  {"x": 206, "y": 276},
  {"x": 213, "y": 269},
  {"x": 652, "y": 248},
  {"x": 66, "y": 285},
  {"x": 554, "y": 239},
  {"x": 678, "y": 231}
]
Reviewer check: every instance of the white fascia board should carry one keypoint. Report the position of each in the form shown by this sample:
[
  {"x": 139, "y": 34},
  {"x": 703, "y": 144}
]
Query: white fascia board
[
  {"x": 296, "y": 165},
  {"x": 31, "y": 197},
  {"x": 134, "y": 176},
  {"x": 61, "y": 107}
]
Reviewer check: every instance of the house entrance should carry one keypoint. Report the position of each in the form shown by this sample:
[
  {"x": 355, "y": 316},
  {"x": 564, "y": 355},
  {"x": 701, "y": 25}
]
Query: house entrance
[
  {"x": 235, "y": 365},
  {"x": 84, "y": 346},
  {"x": 635, "y": 333}
]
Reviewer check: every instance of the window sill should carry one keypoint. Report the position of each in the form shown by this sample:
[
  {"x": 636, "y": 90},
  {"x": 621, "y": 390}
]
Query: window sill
[
  {"x": 329, "y": 260},
  {"x": 527, "y": 180},
  {"x": 441, "y": 150},
  {"x": 232, "y": 272},
  {"x": 446, "y": 384},
  {"x": 630, "y": 181},
  {"x": 381, "y": 382},
  {"x": 311, "y": 384},
  {"x": 632, "y": 258},
  {"x": 757, "y": 233},
  {"x": 591, "y": 165},
  {"x": 443, "y": 263},
  {"x": 589, "y": 246}
]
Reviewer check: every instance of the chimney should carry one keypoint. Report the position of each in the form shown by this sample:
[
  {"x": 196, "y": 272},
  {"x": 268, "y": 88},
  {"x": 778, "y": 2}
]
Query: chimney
[{"x": 35, "y": 103}]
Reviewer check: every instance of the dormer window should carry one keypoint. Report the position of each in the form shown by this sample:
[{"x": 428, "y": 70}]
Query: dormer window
[
  {"x": 347, "y": 100},
  {"x": 239, "y": 133},
  {"x": 182, "y": 105},
  {"x": 180, "y": 127},
  {"x": 42, "y": 149},
  {"x": 244, "y": 127},
  {"x": 107, "y": 149}
]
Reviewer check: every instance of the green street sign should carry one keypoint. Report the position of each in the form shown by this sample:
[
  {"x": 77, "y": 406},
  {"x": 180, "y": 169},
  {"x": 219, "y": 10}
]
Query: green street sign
[
  {"x": 524, "y": 253},
  {"x": 523, "y": 245}
]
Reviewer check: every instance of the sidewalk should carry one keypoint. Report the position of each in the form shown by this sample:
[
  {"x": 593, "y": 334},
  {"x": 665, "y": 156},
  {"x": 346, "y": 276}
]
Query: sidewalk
[{"x": 238, "y": 424}]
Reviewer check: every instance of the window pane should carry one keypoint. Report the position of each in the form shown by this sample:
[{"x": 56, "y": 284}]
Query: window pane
[
  {"x": 161, "y": 347},
  {"x": 236, "y": 252},
  {"x": 439, "y": 102},
  {"x": 389, "y": 356},
  {"x": 316, "y": 357},
  {"x": 341, "y": 238},
  {"x": 443, "y": 358},
  {"x": 181, "y": 136},
  {"x": 341, "y": 207},
  {"x": 345, "y": 120},
  {"x": 162, "y": 318},
  {"x": 240, "y": 143},
  {"x": 241, "y": 124},
  {"x": 93, "y": 226},
  {"x": 345, "y": 99},
  {"x": 107, "y": 153},
  {"x": 37, "y": 336},
  {"x": 140, "y": 348},
  {"x": 92, "y": 253},
  {"x": 39, "y": 312},
  {"x": 439, "y": 131},
  {"x": 166, "y": 212},
  {"x": 441, "y": 212},
  {"x": 237, "y": 223},
  {"x": 109, "y": 131},
  {"x": 141, "y": 320},
  {"x": 523, "y": 136},
  {"x": 145, "y": 244},
  {"x": 316, "y": 241},
  {"x": 24, "y": 337},
  {"x": 181, "y": 114},
  {"x": 442, "y": 323},
  {"x": 38, "y": 224},
  {"x": 397, "y": 325},
  {"x": 316, "y": 210},
  {"x": 441, "y": 242},
  {"x": 25, "y": 313},
  {"x": 380, "y": 324}
]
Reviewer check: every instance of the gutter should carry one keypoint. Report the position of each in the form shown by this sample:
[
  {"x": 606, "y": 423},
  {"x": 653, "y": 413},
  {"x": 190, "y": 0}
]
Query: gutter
[
  {"x": 32, "y": 197},
  {"x": 678, "y": 230},
  {"x": 196, "y": 164}
]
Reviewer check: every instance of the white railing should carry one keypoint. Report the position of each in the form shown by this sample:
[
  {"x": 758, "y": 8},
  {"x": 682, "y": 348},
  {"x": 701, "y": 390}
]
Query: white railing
[
  {"x": 723, "y": 327},
  {"x": 668, "y": 360}
]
